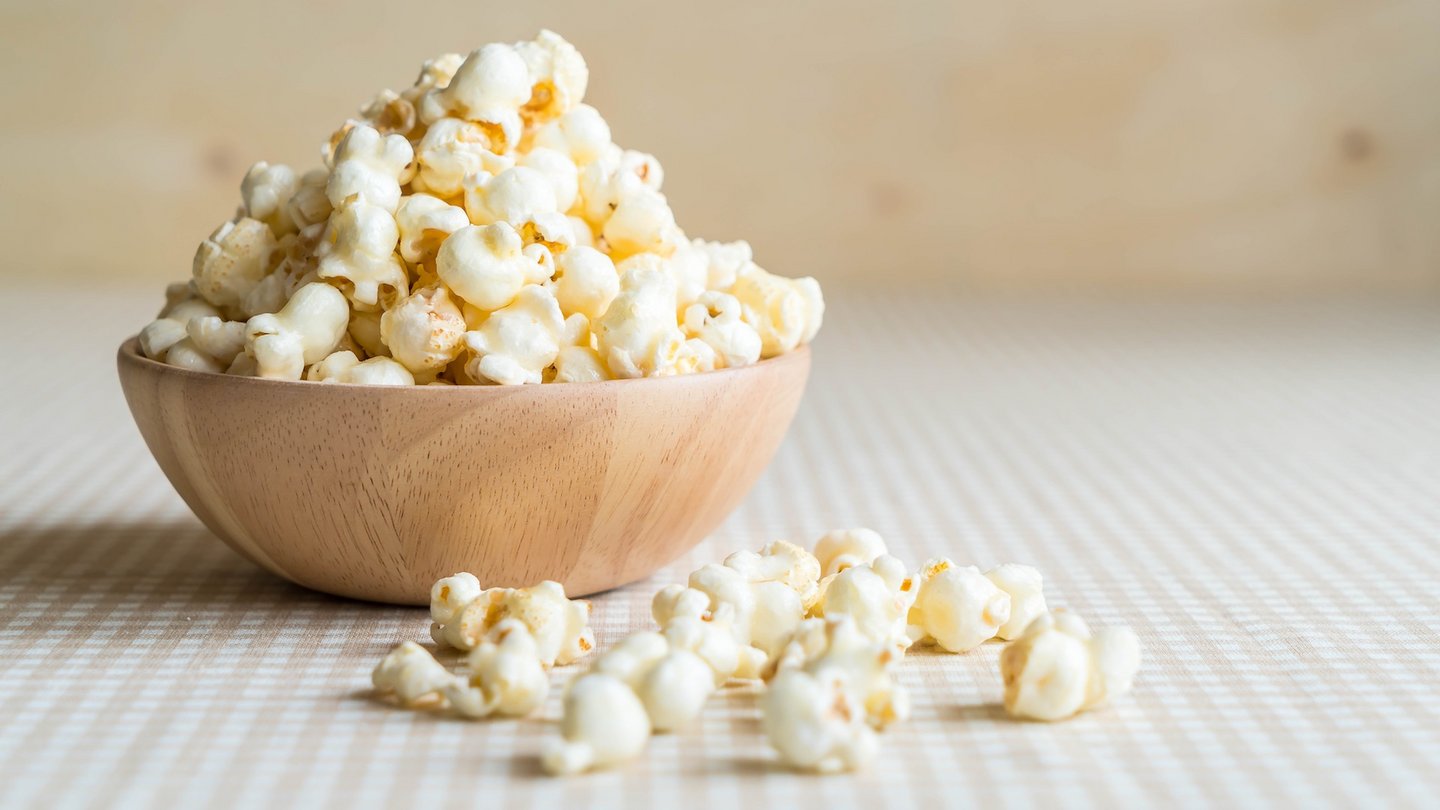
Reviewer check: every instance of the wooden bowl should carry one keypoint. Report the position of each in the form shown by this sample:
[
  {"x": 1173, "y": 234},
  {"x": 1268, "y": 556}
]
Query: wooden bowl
[{"x": 374, "y": 492}]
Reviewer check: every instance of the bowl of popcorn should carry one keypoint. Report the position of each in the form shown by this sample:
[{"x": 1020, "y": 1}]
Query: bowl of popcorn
[{"x": 475, "y": 339}]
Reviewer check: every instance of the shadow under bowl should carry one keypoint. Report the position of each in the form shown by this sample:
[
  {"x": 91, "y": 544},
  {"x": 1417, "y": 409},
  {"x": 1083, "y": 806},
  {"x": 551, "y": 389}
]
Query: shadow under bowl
[{"x": 374, "y": 492}]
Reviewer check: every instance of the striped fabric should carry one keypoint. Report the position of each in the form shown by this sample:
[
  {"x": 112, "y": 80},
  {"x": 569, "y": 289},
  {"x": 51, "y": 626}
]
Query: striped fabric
[{"x": 1254, "y": 488}]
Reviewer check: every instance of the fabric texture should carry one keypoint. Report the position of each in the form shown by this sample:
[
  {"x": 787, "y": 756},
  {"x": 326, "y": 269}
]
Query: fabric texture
[{"x": 1254, "y": 488}]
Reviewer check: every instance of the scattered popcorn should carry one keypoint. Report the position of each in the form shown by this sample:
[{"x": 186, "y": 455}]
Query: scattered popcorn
[
  {"x": 560, "y": 626},
  {"x": 877, "y": 596},
  {"x": 1027, "y": 597},
  {"x": 816, "y": 723},
  {"x": 506, "y": 675},
  {"x": 845, "y": 548},
  {"x": 603, "y": 724},
  {"x": 1057, "y": 668},
  {"x": 413, "y": 675},
  {"x": 957, "y": 608},
  {"x": 868, "y": 664}
]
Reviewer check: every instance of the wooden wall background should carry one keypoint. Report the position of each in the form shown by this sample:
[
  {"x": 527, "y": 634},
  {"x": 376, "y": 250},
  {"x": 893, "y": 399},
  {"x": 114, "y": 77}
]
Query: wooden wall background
[{"x": 1267, "y": 145}]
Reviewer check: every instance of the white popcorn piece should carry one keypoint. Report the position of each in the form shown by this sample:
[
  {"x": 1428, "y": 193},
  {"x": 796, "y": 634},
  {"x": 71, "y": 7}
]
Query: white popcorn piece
[
  {"x": 486, "y": 265},
  {"x": 724, "y": 261},
  {"x": 631, "y": 330},
  {"x": 515, "y": 195},
  {"x": 309, "y": 205},
  {"x": 586, "y": 281},
  {"x": 517, "y": 343},
  {"x": 187, "y": 355},
  {"x": 266, "y": 192},
  {"x": 786, "y": 563},
  {"x": 172, "y": 325},
  {"x": 560, "y": 170},
  {"x": 877, "y": 596},
  {"x": 672, "y": 683},
  {"x": 614, "y": 175},
  {"x": 425, "y": 331},
  {"x": 434, "y": 73},
  {"x": 559, "y": 625},
  {"x": 364, "y": 331},
  {"x": 715, "y": 319},
  {"x": 506, "y": 675},
  {"x": 784, "y": 311},
  {"x": 581, "y": 133},
  {"x": 449, "y": 595},
  {"x": 765, "y": 613},
  {"x": 1027, "y": 596},
  {"x": 709, "y": 634},
  {"x": 413, "y": 675},
  {"x": 304, "y": 331},
  {"x": 368, "y": 169},
  {"x": 558, "y": 76},
  {"x": 691, "y": 269},
  {"x": 837, "y": 643},
  {"x": 359, "y": 248},
  {"x": 488, "y": 88},
  {"x": 844, "y": 548},
  {"x": 604, "y": 723},
  {"x": 425, "y": 222},
  {"x": 575, "y": 364},
  {"x": 345, "y": 367},
  {"x": 217, "y": 338},
  {"x": 641, "y": 222},
  {"x": 956, "y": 608},
  {"x": 815, "y": 722},
  {"x": 389, "y": 112},
  {"x": 1057, "y": 668},
  {"x": 453, "y": 149},
  {"x": 232, "y": 261}
]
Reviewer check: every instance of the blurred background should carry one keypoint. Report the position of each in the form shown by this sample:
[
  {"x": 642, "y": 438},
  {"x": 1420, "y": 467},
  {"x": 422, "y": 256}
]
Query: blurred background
[{"x": 1229, "y": 145}]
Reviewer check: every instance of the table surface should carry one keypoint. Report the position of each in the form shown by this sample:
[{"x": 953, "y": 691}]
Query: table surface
[{"x": 1253, "y": 487}]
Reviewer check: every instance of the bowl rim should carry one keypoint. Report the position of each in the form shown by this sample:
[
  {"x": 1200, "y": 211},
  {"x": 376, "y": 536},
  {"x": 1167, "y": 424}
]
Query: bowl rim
[{"x": 129, "y": 352}]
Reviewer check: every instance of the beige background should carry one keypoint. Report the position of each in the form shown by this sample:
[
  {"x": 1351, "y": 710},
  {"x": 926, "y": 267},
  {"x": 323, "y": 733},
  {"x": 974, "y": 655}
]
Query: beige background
[{"x": 1255, "y": 144}]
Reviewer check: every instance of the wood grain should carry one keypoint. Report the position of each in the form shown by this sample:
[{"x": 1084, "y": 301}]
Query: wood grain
[
  {"x": 1236, "y": 145},
  {"x": 375, "y": 492}
]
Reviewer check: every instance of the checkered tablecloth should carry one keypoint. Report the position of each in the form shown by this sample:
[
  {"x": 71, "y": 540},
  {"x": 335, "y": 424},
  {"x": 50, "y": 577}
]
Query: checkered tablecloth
[{"x": 1255, "y": 488}]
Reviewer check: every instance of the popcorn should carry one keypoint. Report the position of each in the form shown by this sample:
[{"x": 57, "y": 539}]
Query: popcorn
[
  {"x": 786, "y": 563},
  {"x": 425, "y": 331},
  {"x": 585, "y": 282},
  {"x": 488, "y": 88},
  {"x": 560, "y": 170},
  {"x": 630, "y": 332},
  {"x": 487, "y": 175},
  {"x": 957, "y": 608},
  {"x": 581, "y": 134},
  {"x": 345, "y": 367},
  {"x": 845, "y": 548},
  {"x": 307, "y": 329},
  {"x": 867, "y": 663},
  {"x": 558, "y": 76},
  {"x": 714, "y": 319},
  {"x": 559, "y": 625},
  {"x": 425, "y": 222},
  {"x": 359, "y": 249},
  {"x": 217, "y": 338},
  {"x": 672, "y": 683},
  {"x": 877, "y": 596},
  {"x": 413, "y": 675},
  {"x": 786, "y": 312},
  {"x": 367, "y": 169},
  {"x": 514, "y": 196},
  {"x": 506, "y": 675},
  {"x": 1027, "y": 598},
  {"x": 710, "y": 635},
  {"x": 816, "y": 723},
  {"x": 172, "y": 326},
  {"x": 266, "y": 191},
  {"x": 604, "y": 723},
  {"x": 451, "y": 150},
  {"x": 641, "y": 222},
  {"x": 486, "y": 266},
  {"x": 1058, "y": 668},
  {"x": 517, "y": 343},
  {"x": 232, "y": 261}
]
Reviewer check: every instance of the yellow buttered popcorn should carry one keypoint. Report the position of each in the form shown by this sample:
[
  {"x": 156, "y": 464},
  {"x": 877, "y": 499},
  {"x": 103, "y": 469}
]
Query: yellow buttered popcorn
[{"x": 435, "y": 205}]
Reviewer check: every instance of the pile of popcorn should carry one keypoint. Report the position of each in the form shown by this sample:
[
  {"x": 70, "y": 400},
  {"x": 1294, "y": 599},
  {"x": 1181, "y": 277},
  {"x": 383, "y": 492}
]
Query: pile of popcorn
[
  {"x": 479, "y": 227},
  {"x": 823, "y": 632}
]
